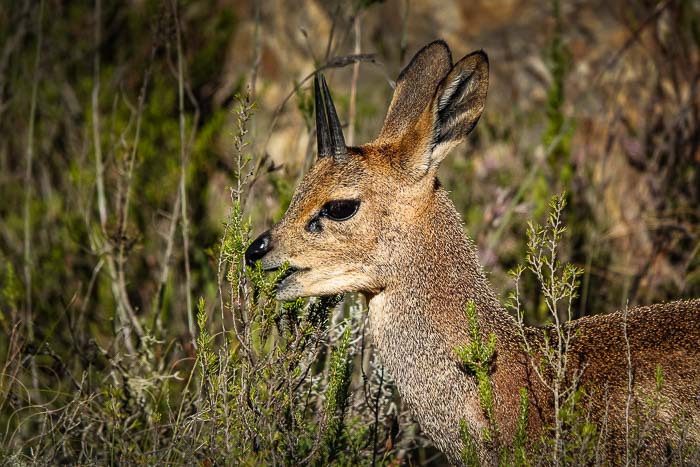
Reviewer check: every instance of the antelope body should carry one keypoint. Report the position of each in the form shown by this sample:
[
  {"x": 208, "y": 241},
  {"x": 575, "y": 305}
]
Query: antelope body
[{"x": 374, "y": 219}]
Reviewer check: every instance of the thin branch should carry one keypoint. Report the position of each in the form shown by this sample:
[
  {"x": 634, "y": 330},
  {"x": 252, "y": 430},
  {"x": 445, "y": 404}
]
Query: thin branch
[
  {"x": 335, "y": 62},
  {"x": 177, "y": 210},
  {"x": 184, "y": 157},
  {"x": 28, "y": 194},
  {"x": 329, "y": 44},
  {"x": 127, "y": 312},
  {"x": 375, "y": 428},
  {"x": 257, "y": 55},
  {"x": 99, "y": 166},
  {"x": 352, "y": 112},
  {"x": 104, "y": 247},
  {"x": 165, "y": 265}
]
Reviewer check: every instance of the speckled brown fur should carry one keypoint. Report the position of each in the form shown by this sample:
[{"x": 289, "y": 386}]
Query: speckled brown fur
[{"x": 405, "y": 249}]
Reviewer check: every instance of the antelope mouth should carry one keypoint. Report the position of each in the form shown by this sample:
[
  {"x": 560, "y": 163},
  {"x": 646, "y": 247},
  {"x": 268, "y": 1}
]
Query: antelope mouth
[{"x": 289, "y": 272}]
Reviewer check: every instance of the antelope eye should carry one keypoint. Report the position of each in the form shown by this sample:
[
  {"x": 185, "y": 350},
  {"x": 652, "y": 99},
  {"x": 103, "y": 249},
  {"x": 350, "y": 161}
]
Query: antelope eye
[{"x": 340, "y": 210}]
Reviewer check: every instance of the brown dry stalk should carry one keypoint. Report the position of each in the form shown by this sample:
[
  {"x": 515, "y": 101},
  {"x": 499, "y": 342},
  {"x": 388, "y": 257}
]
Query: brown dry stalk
[
  {"x": 352, "y": 113},
  {"x": 184, "y": 157},
  {"x": 29, "y": 318}
]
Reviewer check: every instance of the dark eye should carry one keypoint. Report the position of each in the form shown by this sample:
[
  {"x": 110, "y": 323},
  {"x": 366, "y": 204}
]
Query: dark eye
[{"x": 340, "y": 210}]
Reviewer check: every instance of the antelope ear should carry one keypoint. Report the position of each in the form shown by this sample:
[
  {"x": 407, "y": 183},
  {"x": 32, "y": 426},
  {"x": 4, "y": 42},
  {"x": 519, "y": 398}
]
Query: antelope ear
[
  {"x": 454, "y": 111},
  {"x": 415, "y": 87}
]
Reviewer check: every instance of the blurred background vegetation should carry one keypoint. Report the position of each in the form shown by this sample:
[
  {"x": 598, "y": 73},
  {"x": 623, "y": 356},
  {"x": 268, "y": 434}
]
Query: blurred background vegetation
[{"x": 124, "y": 148}]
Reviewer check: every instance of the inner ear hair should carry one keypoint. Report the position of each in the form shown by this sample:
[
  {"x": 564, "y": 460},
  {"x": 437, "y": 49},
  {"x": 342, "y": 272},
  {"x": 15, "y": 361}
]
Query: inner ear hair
[{"x": 459, "y": 101}]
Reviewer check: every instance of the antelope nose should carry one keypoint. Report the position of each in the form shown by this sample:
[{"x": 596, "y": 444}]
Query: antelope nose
[{"x": 258, "y": 248}]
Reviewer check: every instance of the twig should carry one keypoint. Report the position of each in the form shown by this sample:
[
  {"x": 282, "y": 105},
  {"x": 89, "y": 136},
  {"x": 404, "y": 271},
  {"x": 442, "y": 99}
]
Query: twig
[
  {"x": 352, "y": 112},
  {"x": 165, "y": 265},
  {"x": 12, "y": 358},
  {"x": 329, "y": 44},
  {"x": 28, "y": 196},
  {"x": 256, "y": 52},
  {"x": 375, "y": 431},
  {"x": 335, "y": 62},
  {"x": 128, "y": 314},
  {"x": 176, "y": 211},
  {"x": 183, "y": 177},
  {"x": 105, "y": 248},
  {"x": 99, "y": 167}
]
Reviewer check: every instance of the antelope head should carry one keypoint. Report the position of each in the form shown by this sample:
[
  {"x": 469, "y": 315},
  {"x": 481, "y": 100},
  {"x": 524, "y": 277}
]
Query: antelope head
[{"x": 353, "y": 213}]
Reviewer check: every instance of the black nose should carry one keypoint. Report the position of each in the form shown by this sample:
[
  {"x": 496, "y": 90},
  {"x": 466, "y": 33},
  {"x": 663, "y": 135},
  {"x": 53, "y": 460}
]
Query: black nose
[{"x": 258, "y": 248}]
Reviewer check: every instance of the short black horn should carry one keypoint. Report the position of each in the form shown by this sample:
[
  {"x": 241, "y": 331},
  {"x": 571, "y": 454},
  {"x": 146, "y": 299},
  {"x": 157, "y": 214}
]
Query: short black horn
[
  {"x": 323, "y": 135},
  {"x": 340, "y": 151}
]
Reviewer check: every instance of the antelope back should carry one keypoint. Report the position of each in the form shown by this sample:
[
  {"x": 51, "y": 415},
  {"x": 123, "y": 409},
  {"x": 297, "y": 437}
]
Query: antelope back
[{"x": 355, "y": 211}]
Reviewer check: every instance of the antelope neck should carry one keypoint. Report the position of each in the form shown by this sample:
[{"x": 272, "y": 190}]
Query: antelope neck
[
  {"x": 438, "y": 272},
  {"x": 419, "y": 318}
]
